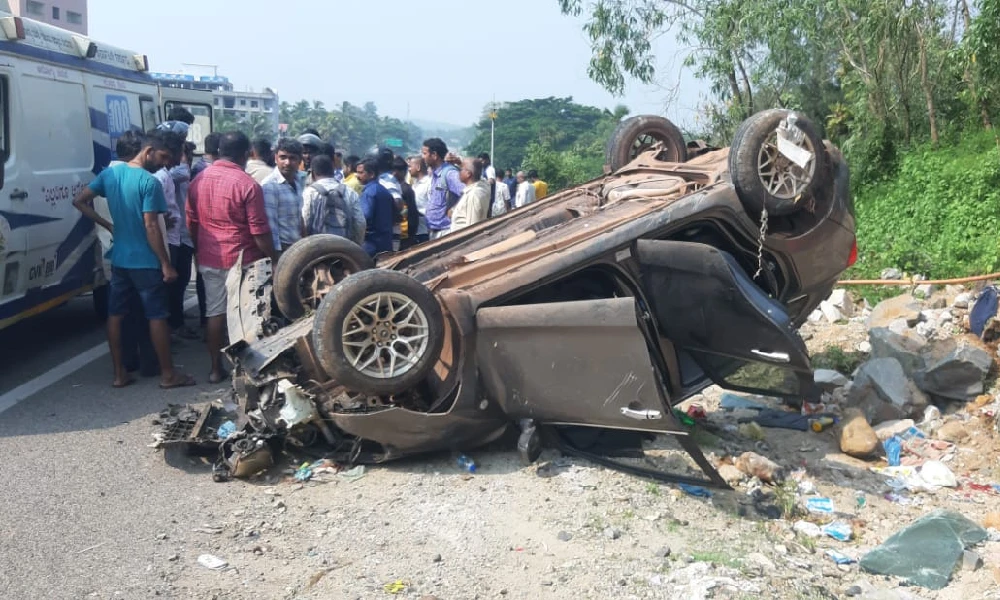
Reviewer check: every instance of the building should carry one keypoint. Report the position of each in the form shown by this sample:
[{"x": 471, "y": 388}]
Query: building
[
  {"x": 67, "y": 14},
  {"x": 239, "y": 105}
]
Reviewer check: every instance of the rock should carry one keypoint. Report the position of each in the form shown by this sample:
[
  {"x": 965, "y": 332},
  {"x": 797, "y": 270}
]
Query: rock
[
  {"x": 762, "y": 468},
  {"x": 731, "y": 474},
  {"x": 953, "y": 431},
  {"x": 436, "y": 558},
  {"x": 564, "y": 536},
  {"x": 971, "y": 561},
  {"x": 857, "y": 438},
  {"x": 843, "y": 301},
  {"x": 883, "y": 391},
  {"x": 816, "y": 316},
  {"x": 830, "y": 312},
  {"x": 854, "y": 590},
  {"x": 923, "y": 291},
  {"x": 926, "y": 329},
  {"x": 174, "y": 557},
  {"x": 992, "y": 521},
  {"x": 612, "y": 533},
  {"x": 865, "y": 347},
  {"x": 891, "y": 273},
  {"x": 901, "y": 307},
  {"x": 829, "y": 379},
  {"x": 937, "y": 301},
  {"x": 888, "y": 429},
  {"x": 954, "y": 368},
  {"x": 899, "y": 326},
  {"x": 663, "y": 552},
  {"x": 962, "y": 300},
  {"x": 906, "y": 347},
  {"x": 808, "y": 529}
]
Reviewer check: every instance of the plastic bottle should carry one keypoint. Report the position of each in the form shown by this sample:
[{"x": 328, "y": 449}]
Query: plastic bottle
[
  {"x": 821, "y": 423},
  {"x": 466, "y": 464}
]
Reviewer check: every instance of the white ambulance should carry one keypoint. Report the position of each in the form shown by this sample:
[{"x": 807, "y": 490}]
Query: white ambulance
[{"x": 64, "y": 101}]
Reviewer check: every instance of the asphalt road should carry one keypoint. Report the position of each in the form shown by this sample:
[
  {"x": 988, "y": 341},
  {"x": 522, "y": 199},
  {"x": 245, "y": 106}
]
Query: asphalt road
[{"x": 85, "y": 502}]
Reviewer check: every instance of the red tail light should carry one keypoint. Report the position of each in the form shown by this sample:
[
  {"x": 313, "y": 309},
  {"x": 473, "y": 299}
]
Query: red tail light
[{"x": 853, "y": 256}]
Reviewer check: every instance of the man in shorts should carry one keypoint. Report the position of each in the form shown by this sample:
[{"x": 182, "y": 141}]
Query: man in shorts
[
  {"x": 140, "y": 264},
  {"x": 226, "y": 216}
]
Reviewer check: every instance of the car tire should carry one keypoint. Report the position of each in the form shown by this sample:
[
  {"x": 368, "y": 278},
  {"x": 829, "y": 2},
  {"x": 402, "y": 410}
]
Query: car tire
[
  {"x": 784, "y": 187},
  {"x": 100, "y": 299},
  {"x": 636, "y": 134},
  {"x": 299, "y": 276},
  {"x": 352, "y": 345}
]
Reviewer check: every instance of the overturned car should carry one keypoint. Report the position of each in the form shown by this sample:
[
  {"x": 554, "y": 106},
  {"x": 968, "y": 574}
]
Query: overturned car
[{"x": 601, "y": 306}]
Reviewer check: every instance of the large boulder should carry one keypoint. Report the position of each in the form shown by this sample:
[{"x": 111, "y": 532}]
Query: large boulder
[
  {"x": 954, "y": 368},
  {"x": 884, "y": 392},
  {"x": 842, "y": 300},
  {"x": 904, "y": 307},
  {"x": 857, "y": 438},
  {"x": 906, "y": 347}
]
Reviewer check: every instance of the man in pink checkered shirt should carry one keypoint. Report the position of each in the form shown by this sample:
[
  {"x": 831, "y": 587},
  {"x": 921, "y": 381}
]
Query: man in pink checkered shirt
[{"x": 226, "y": 215}]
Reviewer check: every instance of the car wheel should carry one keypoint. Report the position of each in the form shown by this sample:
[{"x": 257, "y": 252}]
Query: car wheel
[
  {"x": 765, "y": 175},
  {"x": 378, "y": 332},
  {"x": 100, "y": 299},
  {"x": 311, "y": 267},
  {"x": 635, "y": 135}
]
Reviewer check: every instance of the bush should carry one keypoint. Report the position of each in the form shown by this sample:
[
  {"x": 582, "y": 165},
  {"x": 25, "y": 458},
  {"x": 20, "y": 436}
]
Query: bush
[{"x": 937, "y": 217}]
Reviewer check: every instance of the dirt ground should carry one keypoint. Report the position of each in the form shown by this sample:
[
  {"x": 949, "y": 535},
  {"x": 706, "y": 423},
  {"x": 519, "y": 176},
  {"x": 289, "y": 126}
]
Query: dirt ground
[{"x": 565, "y": 528}]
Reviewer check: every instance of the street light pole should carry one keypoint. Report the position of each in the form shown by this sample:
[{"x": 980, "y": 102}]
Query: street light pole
[{"x": 493, "y": 121}]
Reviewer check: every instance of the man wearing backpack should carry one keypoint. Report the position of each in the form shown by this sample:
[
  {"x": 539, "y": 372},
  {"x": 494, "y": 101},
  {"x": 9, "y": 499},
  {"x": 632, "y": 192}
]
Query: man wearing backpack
[
  {"x": 446, "y": 188},
  {"x": 329, "y": 206}
]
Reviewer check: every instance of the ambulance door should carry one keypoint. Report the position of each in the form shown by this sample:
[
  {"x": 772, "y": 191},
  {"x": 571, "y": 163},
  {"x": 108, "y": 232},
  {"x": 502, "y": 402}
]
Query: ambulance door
[{"x": 14, "y": 221}]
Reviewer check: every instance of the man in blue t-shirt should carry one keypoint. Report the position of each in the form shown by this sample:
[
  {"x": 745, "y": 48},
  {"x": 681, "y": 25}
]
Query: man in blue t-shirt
[
  {"x": 140, "y": 263},
  {"x": 379, "y": 208}
]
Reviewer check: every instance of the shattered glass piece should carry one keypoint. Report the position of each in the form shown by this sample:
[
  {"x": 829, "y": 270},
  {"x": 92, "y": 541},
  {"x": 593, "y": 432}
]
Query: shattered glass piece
[{"x": 927, "y": 551}]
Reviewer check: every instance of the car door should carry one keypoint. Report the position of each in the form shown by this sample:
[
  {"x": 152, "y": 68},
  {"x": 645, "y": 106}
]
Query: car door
[
  {"x": 723, "y": 326},
  {"x": 572, "y": 363},
  {"x": 14, "y": 220}
]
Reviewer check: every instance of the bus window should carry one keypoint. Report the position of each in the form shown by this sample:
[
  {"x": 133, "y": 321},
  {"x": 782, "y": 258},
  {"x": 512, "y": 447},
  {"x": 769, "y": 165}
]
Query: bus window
[{"x": 150, "y": 117}]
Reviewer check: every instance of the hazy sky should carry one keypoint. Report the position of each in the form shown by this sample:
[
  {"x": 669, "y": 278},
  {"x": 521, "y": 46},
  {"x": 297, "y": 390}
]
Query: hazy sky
[{"x": 442, "y": 63}]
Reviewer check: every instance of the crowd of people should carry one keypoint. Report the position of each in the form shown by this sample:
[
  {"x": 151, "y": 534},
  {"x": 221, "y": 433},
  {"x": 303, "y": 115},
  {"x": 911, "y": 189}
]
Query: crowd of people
[{"x": 162, "y": 213}]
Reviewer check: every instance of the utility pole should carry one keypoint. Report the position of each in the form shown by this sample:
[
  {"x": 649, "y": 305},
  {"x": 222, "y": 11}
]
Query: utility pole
[{"x": 493, "y": 121}]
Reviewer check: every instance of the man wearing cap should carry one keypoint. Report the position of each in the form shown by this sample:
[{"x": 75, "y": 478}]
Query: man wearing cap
[{"x": 311, "y": 143}]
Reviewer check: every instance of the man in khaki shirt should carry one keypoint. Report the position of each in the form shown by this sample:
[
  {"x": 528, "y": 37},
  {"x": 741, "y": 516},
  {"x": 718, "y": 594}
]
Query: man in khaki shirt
[{"x": 474, "y": 204}]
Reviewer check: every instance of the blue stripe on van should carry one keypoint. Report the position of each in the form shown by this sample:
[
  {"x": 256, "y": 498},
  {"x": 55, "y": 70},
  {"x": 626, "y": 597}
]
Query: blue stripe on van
[
  {"x": 80, "y": 231},
  {"x": 18, "y": 220},
  {"x": 102, "y": 157},
  {"x": 75, "y": 62},
  {"x": 98, "y": 120}
]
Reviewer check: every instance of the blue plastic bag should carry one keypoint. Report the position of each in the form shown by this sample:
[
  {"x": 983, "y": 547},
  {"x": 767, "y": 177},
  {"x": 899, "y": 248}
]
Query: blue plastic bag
[
  {"x": 893, "y": 450},
  {"x": 983, "y": 310}
]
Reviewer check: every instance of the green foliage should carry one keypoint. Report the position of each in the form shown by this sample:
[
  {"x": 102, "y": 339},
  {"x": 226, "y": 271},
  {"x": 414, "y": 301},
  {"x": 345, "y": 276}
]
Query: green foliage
[
  {"x": 834, "y": 358},
  {"x": 354, "y": 129},
  {"x": 558, "y": 134},
  {"x": 938, "y": 217}
]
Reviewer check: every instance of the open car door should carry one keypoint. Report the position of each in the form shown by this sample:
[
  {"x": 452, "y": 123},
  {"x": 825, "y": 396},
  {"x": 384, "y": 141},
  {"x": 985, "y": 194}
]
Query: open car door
[{"x": 722, "y": 325}]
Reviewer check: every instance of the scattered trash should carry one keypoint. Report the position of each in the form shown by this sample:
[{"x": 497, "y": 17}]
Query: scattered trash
[
  {"x": 840, "y": 559},
  {"x": 860, "y": 499},
  {"x": 893, "y": 449},
  {"x": 210, "y": 561},
  {"x": 695, "y": 490},
  {"x": 936, "y": 473},
  {"x": 761, "y": 467},
  {"x": 819, "y": 505},
  {"x": 752, "y": 430},
  {"x": 683, "y": 418},
  {"x": 782, "y": 419},
  {"x": 820, "y": 424},
  {"x": 839, "y": 530},
  {"x": 697, "y": 412},
  {"x": 898, "y": 499},
  {"x": 732, "y": 402},
  {"x": 928, "y": 477},
  {"x": 466, "y": 464},
  {"x": 808, "y": 529},
  {"x": 352, "y": 475},
  {"x": 396, "y": 587},
  {"x": 226, "y": 430},
  {"x": 927, "y": 551}
]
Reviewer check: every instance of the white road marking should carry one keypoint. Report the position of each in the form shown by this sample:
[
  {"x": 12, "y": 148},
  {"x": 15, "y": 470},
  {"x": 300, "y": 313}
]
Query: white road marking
[{"x": 56, "y": 374}]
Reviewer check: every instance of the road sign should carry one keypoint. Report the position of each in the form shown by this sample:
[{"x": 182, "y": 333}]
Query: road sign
[{"x": 394, "y": 142}]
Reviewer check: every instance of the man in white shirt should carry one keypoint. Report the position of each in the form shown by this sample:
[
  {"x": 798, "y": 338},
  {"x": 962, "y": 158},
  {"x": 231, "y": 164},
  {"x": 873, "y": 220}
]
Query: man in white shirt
[
  {"x": 525, "y": 190},
  {"x": 501, "y": 199},
  {"x": 420, "y": 180}
]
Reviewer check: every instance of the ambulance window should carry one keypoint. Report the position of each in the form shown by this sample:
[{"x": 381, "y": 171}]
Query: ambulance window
[
  {"x": 58, "y": 113},
  {"x": 150, "y": 118},
  {"x": 5, "y": 120}
]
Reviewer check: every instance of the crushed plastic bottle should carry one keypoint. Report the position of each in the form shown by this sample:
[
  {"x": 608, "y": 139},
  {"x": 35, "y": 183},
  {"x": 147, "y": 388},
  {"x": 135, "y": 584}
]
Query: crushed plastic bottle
[
  {"x": 893, "y": 450},
  {"x": 466, "y": 464}
]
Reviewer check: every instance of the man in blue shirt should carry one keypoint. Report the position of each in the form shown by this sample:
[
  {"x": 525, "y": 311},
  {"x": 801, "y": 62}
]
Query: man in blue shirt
[
  {"x": 140, "y": 263},
  {"x": 446, "y": 187},
  {"x": 379, "y": 208}
]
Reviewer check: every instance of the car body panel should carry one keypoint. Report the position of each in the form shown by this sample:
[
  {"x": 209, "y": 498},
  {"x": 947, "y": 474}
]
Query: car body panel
[{"x": 574, "y": 363}]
